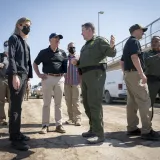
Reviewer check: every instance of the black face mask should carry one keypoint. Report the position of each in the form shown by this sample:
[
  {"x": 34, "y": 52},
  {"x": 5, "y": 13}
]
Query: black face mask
[
  {"x": 26, "y": 29},
  {"x": 72, "y": 50}
]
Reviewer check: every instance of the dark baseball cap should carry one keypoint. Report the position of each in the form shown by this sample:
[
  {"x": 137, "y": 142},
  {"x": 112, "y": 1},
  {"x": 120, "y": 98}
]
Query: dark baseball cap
[
  {"x": 137, "y": 26},
  {"x": 53, "y": 35}
]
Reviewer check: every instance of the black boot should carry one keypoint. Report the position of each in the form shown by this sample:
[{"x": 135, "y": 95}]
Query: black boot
[
  {"x": 20, "y": 137},
  {"x": 88, "y": 134},
  {"x": 20, "y": 145}
]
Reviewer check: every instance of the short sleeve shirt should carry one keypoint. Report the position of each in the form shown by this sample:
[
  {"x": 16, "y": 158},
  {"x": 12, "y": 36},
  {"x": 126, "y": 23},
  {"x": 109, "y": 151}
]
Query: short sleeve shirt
[
  {"x": 131, "y": 47},
  {"x": 52, "y": 62}
]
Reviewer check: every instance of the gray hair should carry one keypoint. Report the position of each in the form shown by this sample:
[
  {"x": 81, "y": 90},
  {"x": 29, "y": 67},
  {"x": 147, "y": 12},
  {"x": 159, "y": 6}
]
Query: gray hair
[
  {"x": 19, "y": 22},
  {"x": 70, "y": 44}
]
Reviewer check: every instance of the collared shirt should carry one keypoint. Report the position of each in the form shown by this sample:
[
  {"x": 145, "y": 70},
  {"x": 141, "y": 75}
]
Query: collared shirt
[
  {"x": 95, "y": 52},
  {"x": 152, "y": 63},
  {"x": 19, "y": 56},
  {"x": 131, "y": 47},
  {"x": 53, "y": 62},
  {"x": 72, "y": 76}
]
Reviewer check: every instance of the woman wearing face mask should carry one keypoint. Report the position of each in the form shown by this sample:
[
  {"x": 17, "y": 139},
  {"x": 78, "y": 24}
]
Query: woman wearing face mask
[{"x": 19, "y": 71}]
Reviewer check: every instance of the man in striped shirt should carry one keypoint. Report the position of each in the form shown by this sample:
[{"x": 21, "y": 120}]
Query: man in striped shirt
[{"x": 72, "y": 89}]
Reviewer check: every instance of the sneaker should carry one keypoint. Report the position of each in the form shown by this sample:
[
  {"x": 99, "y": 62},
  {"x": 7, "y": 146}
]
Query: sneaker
[
  {"x": 20, "y": 137},
  {"x": 69, "y": 121},
  {"x": 136, "y": 132},
  {"x": 44, "y": 130},
  {"x": 152, "y": 135},
  {"x": 20, "y": 145},
  {"x": 88, "y": 134},
  {"x": 78, "y": 123},
  {"x": 95, "y": 140},
  {"x": 60, "y": 129},
  {"x": 3, "y": 122}
]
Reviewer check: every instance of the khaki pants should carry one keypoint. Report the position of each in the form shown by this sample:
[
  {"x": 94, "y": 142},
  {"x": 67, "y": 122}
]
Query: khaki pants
[
  {"x": 72, "y": 97},
  {"x": 137, "y": 98},
  {"x": 55, "y": 84},
  {"x": 26, "y": 95},
  {"x": 4, "y": 93}
]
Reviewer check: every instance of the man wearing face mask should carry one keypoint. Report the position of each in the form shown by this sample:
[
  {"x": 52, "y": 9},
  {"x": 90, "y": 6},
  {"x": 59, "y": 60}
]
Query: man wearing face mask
[
  {"x": 19, "y": 71},
  {"x": 72, "y": 89},
  {"x": 4, "y": 90},
  {"x": 152, "y": 69}
]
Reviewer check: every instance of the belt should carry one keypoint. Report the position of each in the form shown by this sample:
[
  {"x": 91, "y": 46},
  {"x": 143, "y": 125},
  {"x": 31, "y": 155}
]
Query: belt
[
  {"x": 89, "y": 68},
  {"x": 55, "y": 75},
  {"x": 131, "y": 70}
]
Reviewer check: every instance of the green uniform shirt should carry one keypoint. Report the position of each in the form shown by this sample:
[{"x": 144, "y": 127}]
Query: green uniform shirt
[
  {"x": 95, "y": 51},
  {"x": 152, "y": 63}
]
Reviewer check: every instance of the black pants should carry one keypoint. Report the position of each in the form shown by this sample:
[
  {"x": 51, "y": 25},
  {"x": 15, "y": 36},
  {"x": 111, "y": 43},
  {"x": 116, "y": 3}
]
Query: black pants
[{"x": 16, "y": 98}]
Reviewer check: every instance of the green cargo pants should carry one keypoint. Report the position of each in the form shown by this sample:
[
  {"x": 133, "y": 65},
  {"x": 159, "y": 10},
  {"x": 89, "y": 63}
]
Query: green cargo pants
[
  {"x": 153, "y": 88},
  {"x": 92, "y": 92},
  {"x": 4, "y": 94}
]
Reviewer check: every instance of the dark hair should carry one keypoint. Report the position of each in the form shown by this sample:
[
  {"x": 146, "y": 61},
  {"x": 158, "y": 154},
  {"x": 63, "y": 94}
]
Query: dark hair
[
  {"x": 4, "y": 44},
  {"x": 156, "y": 37},
  {"x": 89, "y": 25}
]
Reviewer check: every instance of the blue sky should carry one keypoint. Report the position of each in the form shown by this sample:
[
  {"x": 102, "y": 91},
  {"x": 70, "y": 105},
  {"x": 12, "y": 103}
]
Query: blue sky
[{"x": 67, "y": 16}]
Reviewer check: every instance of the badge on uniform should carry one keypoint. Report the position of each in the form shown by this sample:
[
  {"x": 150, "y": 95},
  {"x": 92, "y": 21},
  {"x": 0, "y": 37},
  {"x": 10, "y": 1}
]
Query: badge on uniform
[{"x": 92, "y": 43}]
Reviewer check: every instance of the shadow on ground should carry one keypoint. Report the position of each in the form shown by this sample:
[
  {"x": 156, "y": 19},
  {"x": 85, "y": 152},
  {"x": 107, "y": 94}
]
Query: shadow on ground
[{"x": 115, "y": 139}]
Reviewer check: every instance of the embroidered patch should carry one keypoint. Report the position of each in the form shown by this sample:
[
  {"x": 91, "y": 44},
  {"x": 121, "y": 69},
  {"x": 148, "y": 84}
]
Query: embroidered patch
[{"x": 92, "y": 43}]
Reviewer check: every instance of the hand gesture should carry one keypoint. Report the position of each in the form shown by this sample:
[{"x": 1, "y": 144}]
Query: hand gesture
[{"x": 112, "y": 41}]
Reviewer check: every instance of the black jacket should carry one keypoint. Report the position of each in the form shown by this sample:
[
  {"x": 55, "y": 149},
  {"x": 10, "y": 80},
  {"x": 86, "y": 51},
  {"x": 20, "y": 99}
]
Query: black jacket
[{"x": 19, "y": 57}]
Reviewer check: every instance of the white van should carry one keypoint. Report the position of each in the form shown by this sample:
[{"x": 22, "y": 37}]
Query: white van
[{"x": 115, "y": 87}]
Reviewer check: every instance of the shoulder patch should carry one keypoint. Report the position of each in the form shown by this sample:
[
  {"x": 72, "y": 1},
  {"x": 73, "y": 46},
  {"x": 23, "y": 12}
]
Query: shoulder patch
[{"x": 102, "y": 38}]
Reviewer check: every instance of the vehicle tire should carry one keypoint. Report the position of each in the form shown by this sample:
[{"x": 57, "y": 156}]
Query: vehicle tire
[{"x": 107, "y": 97}]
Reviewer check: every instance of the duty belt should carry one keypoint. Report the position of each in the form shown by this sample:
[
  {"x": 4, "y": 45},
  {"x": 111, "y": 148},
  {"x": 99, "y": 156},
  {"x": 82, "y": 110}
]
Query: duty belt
[{"x": 102, "y": 67}]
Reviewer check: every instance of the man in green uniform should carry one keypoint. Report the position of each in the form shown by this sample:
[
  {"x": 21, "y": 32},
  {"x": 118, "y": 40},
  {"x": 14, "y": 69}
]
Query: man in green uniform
[
  {"x": 92, "y": 65},
  {"x": 152, "y": 68}
]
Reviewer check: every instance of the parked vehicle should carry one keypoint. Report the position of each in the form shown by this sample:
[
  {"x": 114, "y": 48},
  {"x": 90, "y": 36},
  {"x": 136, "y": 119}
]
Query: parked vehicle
[
  {"x": 115, "y": 87},
  {"x": 33, "y": 90},
  {"x": 38, "y": 90}
]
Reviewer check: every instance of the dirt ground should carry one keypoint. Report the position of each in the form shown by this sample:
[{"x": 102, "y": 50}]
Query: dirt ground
[{"x": 71, "y": 145}]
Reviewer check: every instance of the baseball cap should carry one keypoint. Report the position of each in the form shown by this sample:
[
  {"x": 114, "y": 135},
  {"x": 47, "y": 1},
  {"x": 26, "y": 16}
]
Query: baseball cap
[
  {"x": 53, "y": 35},
  {"x": 137, "y": 26}
]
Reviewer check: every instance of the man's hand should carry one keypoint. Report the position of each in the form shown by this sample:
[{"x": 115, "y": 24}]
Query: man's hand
[
  {"x": 16, "y": 82},
  {"x": 74, "y": 62},
  {"x": 144, "y": 78},
  {"x": 112, "y": 41},
  {"x": 42, "y": 76},
  {"x": 1, "y": 65}
]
